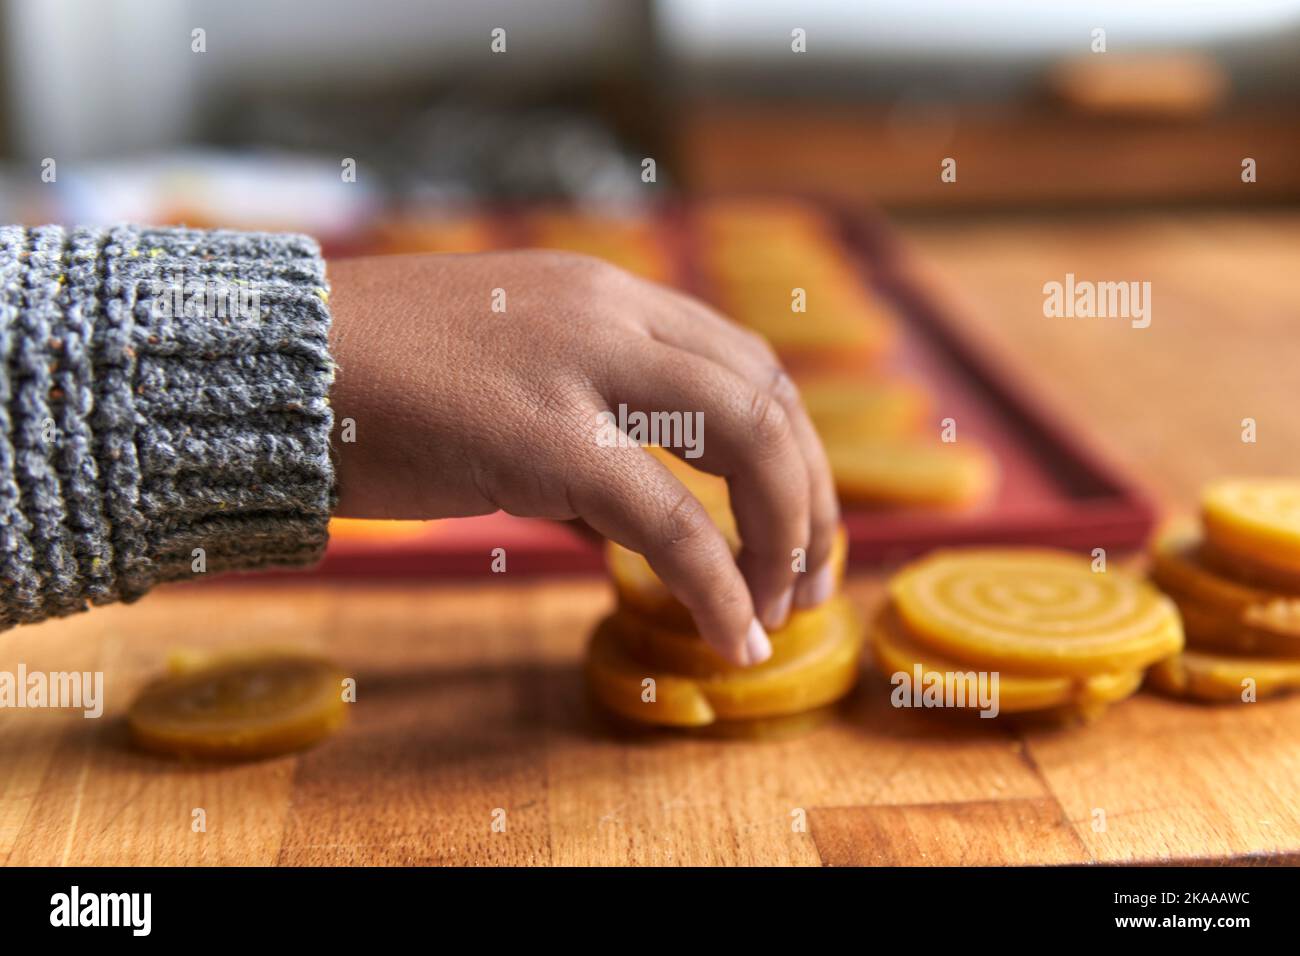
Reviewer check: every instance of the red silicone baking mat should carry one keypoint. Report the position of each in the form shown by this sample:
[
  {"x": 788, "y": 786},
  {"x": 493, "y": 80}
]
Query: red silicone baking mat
[{"x": 1054, "y": 489}]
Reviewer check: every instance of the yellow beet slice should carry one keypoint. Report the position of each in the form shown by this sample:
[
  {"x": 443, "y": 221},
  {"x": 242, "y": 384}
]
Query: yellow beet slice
[
  {"x": 1220, "y": 614},
  {"x": 1202, "y": 675},
  {"x": 1090, "y": 707},
  {"x": 371, "y": 530},
  {"x": 1085, "y": 711},
  {"x": 910, "y": 471},
  {"x": 823, "y": 674},
  {"x": 846, "y": 408},
  {"x": 630, "y": 243},
  {"x": 759, "y": 280},
  {"x": 1035, "y": 611},
  {"x": 755, "y": 220},
  {"x": 1258, "y": 519},
  {"x": 770, "y": 282},
  {"x": 239, "y": 707},
  {"x": 849, "y": 321},
  {"x": 617, "y": 680},
  {"x": 1102, "y": 690},
  {"x": 1177, "y": 568},
  {"x": 820, "y": 675},
  {"x": 1262, "y": 631},
  {"x": 894, "y": 651},
  {"x": 640, "y": 590},
  {"x": 684, "y": 652},
  {"x": 1250, "y": 570}
]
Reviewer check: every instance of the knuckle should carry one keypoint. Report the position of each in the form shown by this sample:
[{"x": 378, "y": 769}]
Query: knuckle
[
  {"x": 561, "y": 397},
  {"x": 825, "y": 503},
  {"x": 825, "y": 517},
  {"x": 686, "y": 521},
  {"x": 588, "y": 269},
  {"x": 730, "y": 604},
  {"x": 555, "y": 413},
  {"x": 819, "y": 550},
  {"x": 768, "y": 421},
  {"x": 784, "y": 389}
]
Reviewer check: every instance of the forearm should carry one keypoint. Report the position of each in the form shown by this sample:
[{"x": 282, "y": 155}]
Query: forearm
[{"x": 164, "y": 404}]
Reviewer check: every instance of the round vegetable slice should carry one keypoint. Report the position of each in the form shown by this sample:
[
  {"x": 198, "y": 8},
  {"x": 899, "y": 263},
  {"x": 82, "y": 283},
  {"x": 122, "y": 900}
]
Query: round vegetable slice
[
  {"x": 1257, "y": 519},
  {"x": 240, "y": 707},
  {"x": 896, "y": 652},
  {"x": 1202, "y": 675},
  {"x": 1219, "y": 613},
  {"x": 1249, "y": 570},
  {"x": 1176, "y": 566},
  {"x": 619, "y": 682},
  {"x": 845, "y": 408},
  {"x": 1035, "y": 611},
  {"x": 910, "y": 472},
  {"x": 825, "y": 670},
  {"x": 819, "y": 676},
  {"x": 685, "y": 652}
]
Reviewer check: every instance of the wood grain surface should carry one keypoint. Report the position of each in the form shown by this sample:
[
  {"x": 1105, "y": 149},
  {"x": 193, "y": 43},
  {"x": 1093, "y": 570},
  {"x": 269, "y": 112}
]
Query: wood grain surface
[{"x": 471, "y": 702}]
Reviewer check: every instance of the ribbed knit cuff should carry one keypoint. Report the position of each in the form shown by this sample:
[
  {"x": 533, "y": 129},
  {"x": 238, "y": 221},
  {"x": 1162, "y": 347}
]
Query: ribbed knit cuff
[{"x": 164, "y": 410}]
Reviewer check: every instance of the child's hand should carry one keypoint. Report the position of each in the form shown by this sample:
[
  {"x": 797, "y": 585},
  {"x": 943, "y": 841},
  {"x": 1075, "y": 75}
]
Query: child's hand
[{"x": 463, "y": 410}]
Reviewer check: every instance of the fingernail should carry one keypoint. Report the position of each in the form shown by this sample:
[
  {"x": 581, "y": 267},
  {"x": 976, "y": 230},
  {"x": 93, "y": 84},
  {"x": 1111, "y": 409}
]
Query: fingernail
[
  {"x": 779, "y": 610},
  {"x": 817, "y": 588},
  {"x": 757, "y": 647}
]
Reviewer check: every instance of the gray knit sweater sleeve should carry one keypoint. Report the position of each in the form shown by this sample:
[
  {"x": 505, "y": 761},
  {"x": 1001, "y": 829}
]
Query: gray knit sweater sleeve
[{"x": 164, "y": 410}]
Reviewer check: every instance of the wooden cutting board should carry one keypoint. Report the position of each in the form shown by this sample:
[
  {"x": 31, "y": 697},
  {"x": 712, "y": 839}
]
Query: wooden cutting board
[
  {"x": 470, "y": 704},
  {"x": 470, "y": 699}
]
